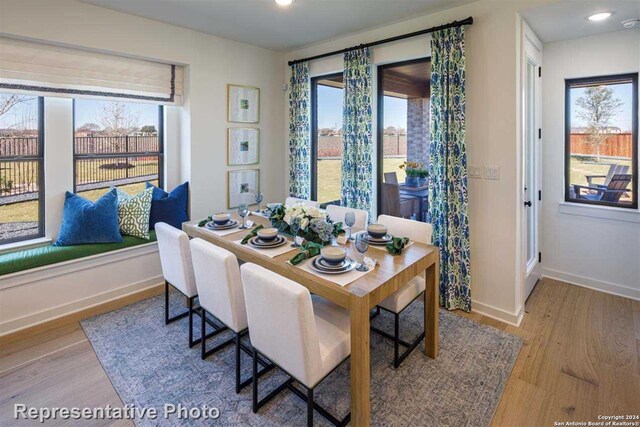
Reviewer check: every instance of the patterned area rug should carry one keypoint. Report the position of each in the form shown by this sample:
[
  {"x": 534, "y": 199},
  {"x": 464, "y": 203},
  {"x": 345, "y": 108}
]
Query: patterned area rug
[{"x": 151, "y": 365}]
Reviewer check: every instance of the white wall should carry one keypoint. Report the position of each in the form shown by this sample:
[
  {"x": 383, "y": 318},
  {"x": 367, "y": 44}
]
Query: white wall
[
  {"x": 211, "y": 63},
  {"x": 591, "y": 246},
  {"x": 492, "y": 52}
]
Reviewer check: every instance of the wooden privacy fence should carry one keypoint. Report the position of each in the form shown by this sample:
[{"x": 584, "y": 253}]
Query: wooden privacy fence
[
  {"x": 330, "y": 146},
  {"x": 616, "y": 145}
]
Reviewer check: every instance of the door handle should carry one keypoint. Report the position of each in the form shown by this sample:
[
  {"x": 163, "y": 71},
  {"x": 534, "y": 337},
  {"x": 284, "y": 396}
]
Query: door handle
[{"x": 528, "y": 204}]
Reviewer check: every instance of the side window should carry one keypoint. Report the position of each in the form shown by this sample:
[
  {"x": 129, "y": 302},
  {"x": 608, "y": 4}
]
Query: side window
[{"x": 601, "y": 142}]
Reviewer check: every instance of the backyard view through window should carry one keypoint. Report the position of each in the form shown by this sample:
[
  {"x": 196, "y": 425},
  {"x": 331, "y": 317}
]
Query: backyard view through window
[
  {"x": 116, "y": 144},
  {"x": 328, "y": 101},
  {"x": 21, "y": 167},
  {"x": 602, "y": 140}
]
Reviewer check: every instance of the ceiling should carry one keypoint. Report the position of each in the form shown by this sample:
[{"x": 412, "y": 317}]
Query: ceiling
[
  {"x": 263, "y": 23},
  {"x": 568, "y": 19}
]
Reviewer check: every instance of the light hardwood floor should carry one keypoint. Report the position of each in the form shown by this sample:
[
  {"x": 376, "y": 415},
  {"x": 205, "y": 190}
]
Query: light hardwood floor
[{"x": 580, "y": 359}]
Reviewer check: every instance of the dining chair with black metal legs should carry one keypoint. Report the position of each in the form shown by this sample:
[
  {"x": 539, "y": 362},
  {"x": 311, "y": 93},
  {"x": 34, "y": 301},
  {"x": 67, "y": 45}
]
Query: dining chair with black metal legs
[
  {"x": 400, "y": 300},
  {"x": 221, "y": 296},
  {"x": 177, "y": 269},
  {"x": 306, "y": 336}
]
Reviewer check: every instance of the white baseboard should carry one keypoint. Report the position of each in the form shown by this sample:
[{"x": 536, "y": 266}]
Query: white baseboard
[
  {"x": 499, "y": 314},
  {"x": 39, "y": 295},
  {"x": 54, "y": 313},
  {"x": 596, "y": 285}
]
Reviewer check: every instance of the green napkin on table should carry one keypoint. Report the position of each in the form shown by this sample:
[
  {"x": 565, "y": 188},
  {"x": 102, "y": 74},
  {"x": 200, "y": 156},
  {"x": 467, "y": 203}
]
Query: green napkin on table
[
  {"x": 396, "y": 245},
  {"x": 253, "y": 233},
  {"x": 204, "y": 221},
  {"x": 307, "y": 250}
]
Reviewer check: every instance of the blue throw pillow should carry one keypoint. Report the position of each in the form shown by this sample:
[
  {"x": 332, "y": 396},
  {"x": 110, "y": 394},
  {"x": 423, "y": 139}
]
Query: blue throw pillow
[
  {"x": 84, "y": 221},
  {"x": 169, "y": 207}
]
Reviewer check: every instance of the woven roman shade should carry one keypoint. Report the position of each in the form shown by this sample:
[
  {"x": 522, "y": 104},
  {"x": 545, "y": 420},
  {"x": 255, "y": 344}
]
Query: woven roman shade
[{"x": 48, "y": 70}]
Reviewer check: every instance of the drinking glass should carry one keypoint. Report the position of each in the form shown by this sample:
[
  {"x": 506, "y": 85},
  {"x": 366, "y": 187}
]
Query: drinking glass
[
  {"x": 259, "y": 199},
  {"x": 349, "y": 220},
  {"x": 295, "y": 228},
  {"x": 362, "y": 244},
  {"x": 243, "y": 211}
]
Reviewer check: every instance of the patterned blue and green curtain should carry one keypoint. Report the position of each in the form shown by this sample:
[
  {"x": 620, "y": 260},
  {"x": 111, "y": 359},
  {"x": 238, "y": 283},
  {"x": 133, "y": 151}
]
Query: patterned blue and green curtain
[
  {"x": 357, "y": 155},
  {"x": 448, "y": 197},
  {"x": 299, "y": 132}
]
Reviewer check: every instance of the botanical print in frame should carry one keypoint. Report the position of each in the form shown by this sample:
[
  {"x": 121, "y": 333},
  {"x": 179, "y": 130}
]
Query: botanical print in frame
[
  {"x": 243, "y": 146},
  {"x": 243, "y": 104},
  {"x": 242, "y": 187}
]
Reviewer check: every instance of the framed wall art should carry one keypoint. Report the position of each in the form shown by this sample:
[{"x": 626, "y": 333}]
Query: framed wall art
[
  {"x": 242, "y": 187},
  {"x": 243, "y": 104},
  {"x": 243, "y": 146}
]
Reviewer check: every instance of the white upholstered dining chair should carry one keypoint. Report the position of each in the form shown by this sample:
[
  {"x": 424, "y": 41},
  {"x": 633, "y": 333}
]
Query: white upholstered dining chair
[
  {"x": 397, "y": 302},
  {"x": 307, "y": 337},
  {"x": 221, "y": 296},
  {"x": 177, "y": 269},
  {"x": 336, "y": 214},
  {"x": 290, "y": 201}
]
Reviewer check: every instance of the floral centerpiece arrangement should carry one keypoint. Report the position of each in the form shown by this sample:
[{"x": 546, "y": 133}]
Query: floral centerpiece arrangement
[
  {"x": 314, "y": 225},
  {"x": 416, "y": 174}
]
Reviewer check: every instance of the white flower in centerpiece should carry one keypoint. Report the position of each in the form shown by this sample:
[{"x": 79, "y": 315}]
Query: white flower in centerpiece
[{"x": 304, "y": 223}]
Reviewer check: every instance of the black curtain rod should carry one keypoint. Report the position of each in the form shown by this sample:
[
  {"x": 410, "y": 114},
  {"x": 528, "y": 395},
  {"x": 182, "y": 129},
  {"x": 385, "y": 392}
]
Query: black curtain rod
[{"x": 468, "y": 21}]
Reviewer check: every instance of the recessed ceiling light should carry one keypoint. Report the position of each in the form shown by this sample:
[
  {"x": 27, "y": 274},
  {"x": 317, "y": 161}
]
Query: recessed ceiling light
[
  {"x": 284, "y": 2},
  {"x": 599, "y": 16}
]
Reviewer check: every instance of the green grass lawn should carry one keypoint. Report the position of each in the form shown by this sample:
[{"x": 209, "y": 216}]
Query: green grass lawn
[{"x": 329, "y": 176}]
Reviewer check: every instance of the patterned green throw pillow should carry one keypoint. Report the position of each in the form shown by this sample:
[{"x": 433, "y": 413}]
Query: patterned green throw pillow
[{"x": 134, "y": 212}]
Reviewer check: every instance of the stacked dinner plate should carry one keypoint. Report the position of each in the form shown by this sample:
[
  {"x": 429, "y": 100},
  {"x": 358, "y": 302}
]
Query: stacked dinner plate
[
  {"x": 378, "y": 241},
  {"x": 321, "y": 265},
  {"x": 257, "y": 242},
  {"x": 232, "y": 223}
]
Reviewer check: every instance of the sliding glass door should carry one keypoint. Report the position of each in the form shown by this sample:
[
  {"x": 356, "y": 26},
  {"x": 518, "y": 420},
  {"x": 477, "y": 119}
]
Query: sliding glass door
[
  {"x": 403, "y": 137},
  {"x": 326, "y": 138}
]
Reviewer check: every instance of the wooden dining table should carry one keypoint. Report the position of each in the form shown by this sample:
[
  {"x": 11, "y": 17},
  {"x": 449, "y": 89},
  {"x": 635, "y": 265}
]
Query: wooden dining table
[{"x": 359, "y": 296}]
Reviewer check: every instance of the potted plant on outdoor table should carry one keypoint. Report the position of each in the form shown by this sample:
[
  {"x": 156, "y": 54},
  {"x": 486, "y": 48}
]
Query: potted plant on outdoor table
[
  {"x": 423, "y": 177},
  {"x": 412, "y": 170},
  {"x": 314, "y": 224}
]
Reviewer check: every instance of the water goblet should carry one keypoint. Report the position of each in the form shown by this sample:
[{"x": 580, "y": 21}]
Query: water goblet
[
  {"x": 295, "y": 228},
  {"x": 259, "y": 199},
  {"x": 350, "y": 220},
  {"x": 243, "y": 211},
  {"x": 362, "y": 244}
]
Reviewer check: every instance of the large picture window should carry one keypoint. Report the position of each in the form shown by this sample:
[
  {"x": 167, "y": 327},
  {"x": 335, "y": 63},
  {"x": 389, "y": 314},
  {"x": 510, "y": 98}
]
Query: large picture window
[
  {"x": 21, "y": 167},
  {"x": 327, "y": 95},
  {"x": 601, "y": 141},
  {"x": 116, "y": 144}
]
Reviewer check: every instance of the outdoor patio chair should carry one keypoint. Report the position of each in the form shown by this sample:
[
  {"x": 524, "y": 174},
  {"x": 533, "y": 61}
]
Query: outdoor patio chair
[
  {"x": 615, "y": 189},
  {"x": 391, "y": 178},
  {"x": 393, "y": 205},
  {"x": 613, "y": 170}
]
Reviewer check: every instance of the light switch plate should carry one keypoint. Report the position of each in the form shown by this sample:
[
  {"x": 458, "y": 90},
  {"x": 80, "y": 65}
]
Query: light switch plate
[
  {"x": 492, "y": 172},
  {"x": 475, "y": 171}
]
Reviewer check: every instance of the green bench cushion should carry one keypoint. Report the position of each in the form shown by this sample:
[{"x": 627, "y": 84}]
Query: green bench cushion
[{"x": 13, "y": 262}]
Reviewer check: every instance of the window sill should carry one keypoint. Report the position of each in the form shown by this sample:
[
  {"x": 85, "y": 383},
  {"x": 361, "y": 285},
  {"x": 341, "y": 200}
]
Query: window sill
[
  {"x": 603, "y": 212},
  {"x": 24, "y": 244}
]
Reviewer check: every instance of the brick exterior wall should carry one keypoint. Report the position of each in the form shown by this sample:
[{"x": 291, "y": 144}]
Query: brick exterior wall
[{"x": 418, "y": 114}]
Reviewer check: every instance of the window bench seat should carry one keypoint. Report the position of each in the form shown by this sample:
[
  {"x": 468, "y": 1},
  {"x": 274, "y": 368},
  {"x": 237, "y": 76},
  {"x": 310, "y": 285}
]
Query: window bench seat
[{"x": 27, "y": 259}]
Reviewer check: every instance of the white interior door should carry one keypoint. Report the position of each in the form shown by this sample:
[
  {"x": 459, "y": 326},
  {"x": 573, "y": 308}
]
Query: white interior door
[{"x": 531, "y": 158}]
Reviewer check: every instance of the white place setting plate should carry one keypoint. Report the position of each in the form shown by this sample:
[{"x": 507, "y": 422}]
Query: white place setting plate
[
  {"x": 259, "y": 243},
  {"x": 322, "y": 266},
  {"x": 378, "y": 240},
  {"x": 213, "y": 226}
]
